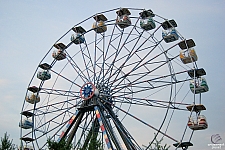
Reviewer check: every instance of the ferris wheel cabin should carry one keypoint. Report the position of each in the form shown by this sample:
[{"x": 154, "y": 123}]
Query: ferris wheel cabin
[
  {"x": 59, "y": 54},
  {"x": 188, "y": 56},
  {"x": 199, "y": 85},
  {"x": 26, "y": 123},
  {"x": 99, "y": 24},
  {"x": 44, "y": 73},
  {"x": 123, "y": 19},
  {"x": 27, "y": 140},
  {"x": 78, "y": 38},
  {"x": 187, "y": 53},
  {"x": 32, "y": 98},
  {"x": 198, "y": 123},
  {"x": 147, "y": 22},
  {"x": 169, "y": 33}
]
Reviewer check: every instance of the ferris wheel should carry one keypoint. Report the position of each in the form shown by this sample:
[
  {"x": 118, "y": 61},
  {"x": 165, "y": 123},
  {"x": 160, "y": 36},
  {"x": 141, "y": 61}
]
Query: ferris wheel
[{"x": 125, "y": 75}]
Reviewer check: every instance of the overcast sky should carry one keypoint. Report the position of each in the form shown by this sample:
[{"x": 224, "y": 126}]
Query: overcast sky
[{"x": 28, "y": 29}]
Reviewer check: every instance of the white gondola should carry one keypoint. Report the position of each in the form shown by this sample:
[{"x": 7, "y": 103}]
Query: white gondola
[
  {"x": 188, "y": 56},
  {"x": 147, "y": 22},
  {"x": 187, "y": 53},
  {"x": 26, "y": 140},
  {"x": 59, "y": 54},
  {"x": 169, "y": 33},
  {"x": 78, "y": 37},
  {"x": 99, "y": 26},
  {"x": 33, "y": 98},
  {"x": 123, "y": 19},
  {"x": 43, "y": 75},
  {"x": 197, "y": 123},
  {"x": 199, "y": 85},
  {"x": 26, "y": 124}
]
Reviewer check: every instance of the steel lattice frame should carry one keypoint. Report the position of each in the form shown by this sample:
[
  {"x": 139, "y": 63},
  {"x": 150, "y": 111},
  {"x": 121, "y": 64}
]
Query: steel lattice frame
[{"x": 135, "y": 73}]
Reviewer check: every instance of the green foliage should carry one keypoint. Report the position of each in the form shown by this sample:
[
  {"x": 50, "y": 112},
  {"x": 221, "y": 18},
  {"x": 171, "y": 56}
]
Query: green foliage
[
  {"x": 6, "y": 144},
  {"x": 95, "y": 143},
  {"x": 157, "y": 145},
  {"x": 62, "y": 145}
]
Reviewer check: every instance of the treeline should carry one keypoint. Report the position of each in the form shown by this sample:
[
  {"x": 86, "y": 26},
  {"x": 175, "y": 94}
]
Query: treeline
[{"x": 94, "y": 144}]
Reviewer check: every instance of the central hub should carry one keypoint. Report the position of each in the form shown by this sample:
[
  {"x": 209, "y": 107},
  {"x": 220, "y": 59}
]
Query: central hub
[{"x": 87, "y": 91}]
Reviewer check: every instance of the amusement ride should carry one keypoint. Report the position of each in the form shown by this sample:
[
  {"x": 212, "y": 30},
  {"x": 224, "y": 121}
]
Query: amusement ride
[{"x": 125, "y": 76}]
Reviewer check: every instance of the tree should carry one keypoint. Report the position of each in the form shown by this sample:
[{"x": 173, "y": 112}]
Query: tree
[
  {"x": 157, "y": 145},
  {"x": 62, "y": 145},
  {"x": 6, "y": 144},
  {"x": 95, "y": 143}
]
